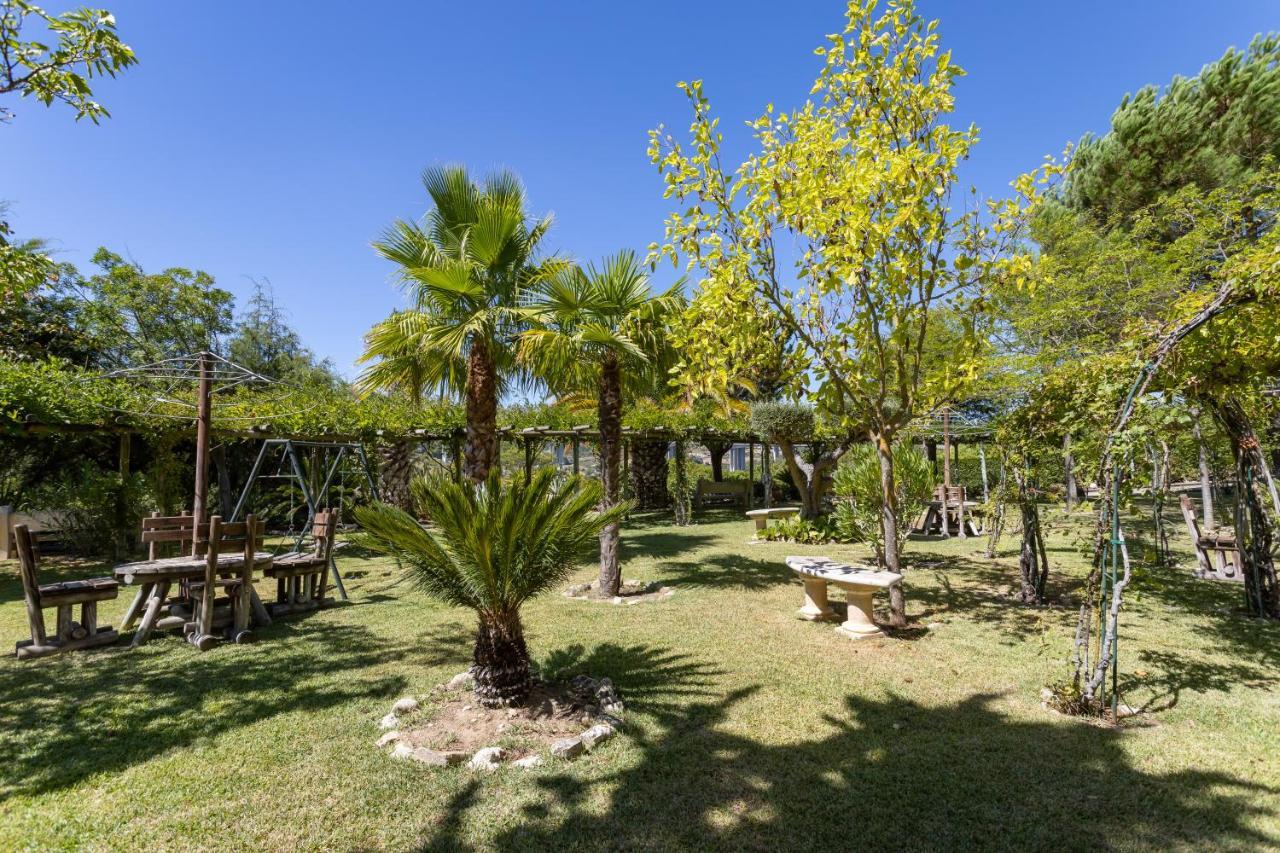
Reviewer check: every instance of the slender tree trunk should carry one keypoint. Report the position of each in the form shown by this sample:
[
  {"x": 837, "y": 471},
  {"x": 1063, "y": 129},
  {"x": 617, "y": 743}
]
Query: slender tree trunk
[
  {"x": 889, "y": 528},
  {"x": 1069, "y": 469},
  {"x": 501, "y": 662},
  {"x": 1033, "y": 566},
  {"x": 610, "y": 414},
  {"x": 1206, "y": 475},
  {"x": 481, "y": 452},
  {"x": 809, "y": 479},
  {"x": 680, "y": 470},
  {"x": 649, "y": 473}
]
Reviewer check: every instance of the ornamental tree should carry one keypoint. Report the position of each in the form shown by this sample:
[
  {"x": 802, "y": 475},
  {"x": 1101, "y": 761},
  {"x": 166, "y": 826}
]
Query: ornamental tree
[{"x": 859, "y": 181}]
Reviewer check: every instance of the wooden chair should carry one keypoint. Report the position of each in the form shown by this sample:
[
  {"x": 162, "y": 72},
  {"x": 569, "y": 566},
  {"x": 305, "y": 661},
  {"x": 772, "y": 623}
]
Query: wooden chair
[
  {"x": 303, "y": 577},
  {"x": 232, "y": 613},
  {"x": 158, "y": 529},
  {"x": 87, "y": 593},
  {"x": 1216, "y": 551}
]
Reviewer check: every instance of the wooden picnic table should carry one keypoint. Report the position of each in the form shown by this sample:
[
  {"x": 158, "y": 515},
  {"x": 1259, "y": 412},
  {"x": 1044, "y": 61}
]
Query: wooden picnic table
[{"x": 155, "y": 577}]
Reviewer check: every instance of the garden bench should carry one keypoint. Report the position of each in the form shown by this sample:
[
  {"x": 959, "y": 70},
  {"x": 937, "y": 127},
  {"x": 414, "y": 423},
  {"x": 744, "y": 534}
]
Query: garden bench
[
  {"x": 761, "y": 516},
  {"x": 70, "y": 634},
  {"x": 303, "y": 576},
  {"x": 859, "y": 585},
  {"x": 726, "y": 492},
  {"x": 1216, "y": 549}
]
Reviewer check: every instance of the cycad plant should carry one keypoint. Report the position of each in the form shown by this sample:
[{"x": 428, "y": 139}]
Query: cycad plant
[
  {"x": 601, "y": 331},
  {"x": 492, "y": 547},
  {"x": 468, "y": 265}
]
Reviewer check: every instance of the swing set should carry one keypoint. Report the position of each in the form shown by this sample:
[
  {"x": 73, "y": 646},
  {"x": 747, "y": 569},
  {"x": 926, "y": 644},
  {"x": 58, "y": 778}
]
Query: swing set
[{"x": 336, "y": 460}]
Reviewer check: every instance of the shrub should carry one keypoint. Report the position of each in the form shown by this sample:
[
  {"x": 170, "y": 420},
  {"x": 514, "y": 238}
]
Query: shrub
[{"x": 858, "y": 497}]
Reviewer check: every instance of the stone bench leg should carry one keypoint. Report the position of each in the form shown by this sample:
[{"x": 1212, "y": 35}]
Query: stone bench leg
[
  {"x": 859, "y": 624},
  {"x": 761, "y": 523},
  {"x": 815, "y": 607}
]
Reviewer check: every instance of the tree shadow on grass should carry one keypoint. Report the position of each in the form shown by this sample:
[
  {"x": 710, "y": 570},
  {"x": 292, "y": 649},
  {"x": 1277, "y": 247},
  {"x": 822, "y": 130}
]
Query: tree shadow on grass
[
  {"x": 662, "y": 545},
  {"x": 887, "y": 774},
  {"x": 1184, "y": 671},
  {"x": 80, "y": 714},
  {"x": 726, "y": 570}
]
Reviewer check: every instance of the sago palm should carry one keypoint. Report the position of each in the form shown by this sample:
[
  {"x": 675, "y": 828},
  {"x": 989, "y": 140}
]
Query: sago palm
[
  {"x": 598, "y": 331},
  {"x": 468, "y": 266},
  {"x": 492, "y": 547}
]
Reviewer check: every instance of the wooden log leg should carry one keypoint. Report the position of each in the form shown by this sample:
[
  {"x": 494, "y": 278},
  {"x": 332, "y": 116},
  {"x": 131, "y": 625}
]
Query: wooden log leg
[
  {"x": 135, "y": 607},
  {"x": 260, "y": 615},
  {"x": 323, "y": 585},
  {"x": 240, "y": 608},
  {"x": 159, "y": 592},
  {"x": 89, "y": 617},
  {"x": 282, "y": 591},
  {"x": 816, "y": 608},
  {"x": 295, "y": 597},
  {"x": 64, "y": 622}
]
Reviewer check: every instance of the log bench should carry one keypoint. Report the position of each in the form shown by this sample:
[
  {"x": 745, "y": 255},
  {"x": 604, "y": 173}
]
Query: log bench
[
  {"x": 859, "y": 585},
  {"x": 64, "y": 596},
  {"x": 761, "y": 516}
]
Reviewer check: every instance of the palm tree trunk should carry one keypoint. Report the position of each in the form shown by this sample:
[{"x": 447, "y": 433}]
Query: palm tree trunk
[
  {"x": 649, "y": 473},
  {"x": 610, "y": 414},
  {"x": 481, "y": 451},
  {"x": 394, "y": 474},
  {"x": 501, "y": 662},
  {"x": 716, "y": 450},
  {"x": 889, "y": 528}
]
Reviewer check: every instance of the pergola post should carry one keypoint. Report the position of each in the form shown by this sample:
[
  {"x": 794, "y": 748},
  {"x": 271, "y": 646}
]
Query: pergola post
[
  {"x": 946, "y": 471},
  {"x": 528, "y": 460},
  {"x": 577, "y": 454},
  {"x": 982, "y": 463},
  {"x": 455, "y": 446},
  {"x": 751, "y": 474}
]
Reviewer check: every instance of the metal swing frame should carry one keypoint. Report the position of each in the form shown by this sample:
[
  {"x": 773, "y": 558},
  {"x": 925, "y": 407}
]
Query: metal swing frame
[{"x": 289, "y": 451}]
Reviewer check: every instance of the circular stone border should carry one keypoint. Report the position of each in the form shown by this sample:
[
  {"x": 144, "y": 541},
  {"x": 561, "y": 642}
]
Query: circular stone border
[
  {"x": 601, "y": 706},
  {"x": 630, "y": 592}
]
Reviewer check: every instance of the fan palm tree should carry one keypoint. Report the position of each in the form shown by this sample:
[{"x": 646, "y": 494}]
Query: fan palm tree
[
  {"x": 602, "y": 331},
  {"x": 468, "y": 265},
  {"x": 492, "y": 547}
]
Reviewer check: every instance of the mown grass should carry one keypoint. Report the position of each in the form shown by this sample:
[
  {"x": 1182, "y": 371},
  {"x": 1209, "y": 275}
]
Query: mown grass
[{"x": 749, "y": 728}]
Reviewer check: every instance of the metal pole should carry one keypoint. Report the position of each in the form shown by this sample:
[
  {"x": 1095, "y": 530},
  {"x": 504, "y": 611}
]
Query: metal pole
[
  {"x": 751, "y": 474},
  {"x": 204, "y": 405},
  {"x": 253, "y": 476},
  {"x": 577, "y": 455}
]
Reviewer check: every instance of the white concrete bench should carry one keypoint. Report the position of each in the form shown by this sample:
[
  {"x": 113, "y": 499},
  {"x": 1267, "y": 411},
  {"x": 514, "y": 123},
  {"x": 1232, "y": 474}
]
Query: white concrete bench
[
  {"x": 859, "y": 584},
  {"x": 761, "y": 516}
]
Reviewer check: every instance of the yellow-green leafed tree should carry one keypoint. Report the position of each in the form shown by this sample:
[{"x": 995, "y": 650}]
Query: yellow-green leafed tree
[{"x": 842, "y": 223}]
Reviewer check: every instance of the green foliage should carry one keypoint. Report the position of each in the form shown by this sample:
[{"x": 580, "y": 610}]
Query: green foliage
[
  {"x": 494, "y": 546},
  {"x": 1206, "y": 131},
  {"x": 87, "y": 47},
  {"x": 264, "y": 343},
  {"x": 95, "y": 506},
  {"x": 778, "y": 422},
  {"x": 809, "y": 531},
  {"x": 859, "y": 502}
]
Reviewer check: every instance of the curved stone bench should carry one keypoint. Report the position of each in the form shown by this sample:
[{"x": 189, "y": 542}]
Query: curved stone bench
[
  {"x": 859, "y": 585},
  {"x": 761, "y": 516}
]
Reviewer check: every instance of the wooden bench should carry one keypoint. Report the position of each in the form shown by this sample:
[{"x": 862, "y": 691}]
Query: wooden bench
[
  {"x": 724, "y": 493},
  {"x": 761, "y": 516},
  {"x": 1217, "y": 554},
  {"x": 303, "y": 576},
  {"x": 46, "y": 524},
  {"x": 859, "y": 584},
  {"x": 70, "y": 634}
]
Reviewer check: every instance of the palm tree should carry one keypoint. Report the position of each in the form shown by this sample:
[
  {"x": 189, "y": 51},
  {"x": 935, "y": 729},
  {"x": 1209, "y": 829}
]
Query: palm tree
[
  {"x": 600, "y": 330},
  {"x": 493, "y": 546},
  {"x": 468, "y": 265}
]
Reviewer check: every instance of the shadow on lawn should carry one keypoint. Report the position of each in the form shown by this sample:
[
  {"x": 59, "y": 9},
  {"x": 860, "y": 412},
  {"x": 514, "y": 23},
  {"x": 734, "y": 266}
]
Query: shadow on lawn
[
  {"x": 76, "y": 715},
  {"x": 883, "y": 775}
]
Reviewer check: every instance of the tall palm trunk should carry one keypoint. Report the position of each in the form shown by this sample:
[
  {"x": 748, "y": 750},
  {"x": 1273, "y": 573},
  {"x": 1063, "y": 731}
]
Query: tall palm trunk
[
  {"x": 394, "y": 473},
  {"x": 649, "y": 473},
  {"x": 889, "y": 528},
  {"x": 481, "y": 451},
  {"x": 610, "y": 462},
  {"x": 501, "y": 661}
]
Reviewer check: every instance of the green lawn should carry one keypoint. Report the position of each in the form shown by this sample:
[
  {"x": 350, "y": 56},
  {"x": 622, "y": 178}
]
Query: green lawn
[{"x": 749, "y": 728}]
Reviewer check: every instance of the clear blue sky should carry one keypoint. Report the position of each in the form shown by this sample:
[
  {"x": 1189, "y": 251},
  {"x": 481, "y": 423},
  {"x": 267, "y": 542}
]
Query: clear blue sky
[{"x": 275, "y": 139}]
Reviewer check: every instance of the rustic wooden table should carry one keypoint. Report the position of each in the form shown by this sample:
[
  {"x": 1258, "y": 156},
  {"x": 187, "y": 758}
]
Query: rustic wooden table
[{"x": 155, "y": 577}]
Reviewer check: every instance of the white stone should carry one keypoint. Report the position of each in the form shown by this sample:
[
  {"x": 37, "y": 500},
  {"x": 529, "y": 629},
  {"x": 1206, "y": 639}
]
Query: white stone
[
  {"x": 390, "y": 721},
  {"x": 1123, "y": 710},
  {"x": 429, "y": 756},
  {"x": 389, "y": 737},
  {"x": 462, "y": 681},
  {"x": 487, "y": 759},
  {"x": 402, "y": 750},
  {"x": 569, "y": 747},
  {"x": 596, "y": 734},
  {"x": 407, "y": 705},
  {"x": 529, "y": 762}
]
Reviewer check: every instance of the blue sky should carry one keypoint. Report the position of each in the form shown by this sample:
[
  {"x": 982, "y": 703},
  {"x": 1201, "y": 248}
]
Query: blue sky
[{"x": 276, "y": 139}]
